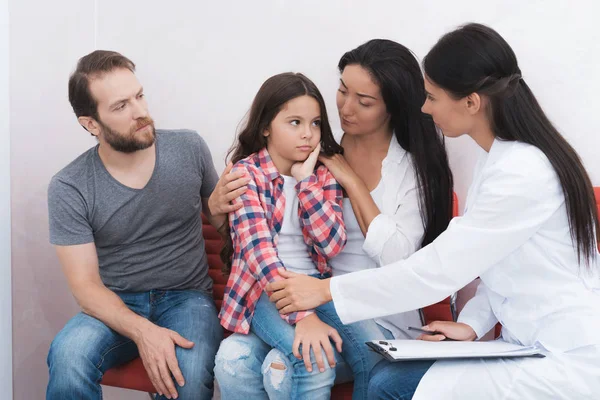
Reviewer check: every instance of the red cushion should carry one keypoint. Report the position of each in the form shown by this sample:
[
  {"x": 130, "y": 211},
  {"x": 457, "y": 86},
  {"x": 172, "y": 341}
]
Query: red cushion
[
  {"x": 441, "y": 311},
  {"x": 129, "y": 376},
  {"x": 342, "y": 391}
]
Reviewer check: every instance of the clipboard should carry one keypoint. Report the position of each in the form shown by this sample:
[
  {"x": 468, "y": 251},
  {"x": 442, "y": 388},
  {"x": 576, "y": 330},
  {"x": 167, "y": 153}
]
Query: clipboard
[{"x": 415, "y": 350}]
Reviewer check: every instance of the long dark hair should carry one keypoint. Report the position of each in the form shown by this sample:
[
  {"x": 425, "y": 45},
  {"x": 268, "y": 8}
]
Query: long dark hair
[
  {"x": 274, "y": 93},
  {"x": 476, "y": 59},
  {"x": 395, "y": 69}
]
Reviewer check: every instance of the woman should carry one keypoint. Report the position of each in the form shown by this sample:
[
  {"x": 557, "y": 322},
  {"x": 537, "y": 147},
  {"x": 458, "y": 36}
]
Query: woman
[
  {"x": 396, "y": 176},
  {"x": 529, "y": 231}
]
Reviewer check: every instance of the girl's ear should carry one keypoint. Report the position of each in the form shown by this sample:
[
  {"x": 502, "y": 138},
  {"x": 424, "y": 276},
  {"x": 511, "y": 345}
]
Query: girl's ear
[{"x": 266, "y": 132}]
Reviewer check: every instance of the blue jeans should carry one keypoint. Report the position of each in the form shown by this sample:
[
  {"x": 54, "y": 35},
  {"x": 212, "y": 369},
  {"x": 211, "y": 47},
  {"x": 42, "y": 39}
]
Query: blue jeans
[
  {"x": 243, "y": 365},
  {"x": 85, "y": 348},
  {"x": 396, "y": 381}
]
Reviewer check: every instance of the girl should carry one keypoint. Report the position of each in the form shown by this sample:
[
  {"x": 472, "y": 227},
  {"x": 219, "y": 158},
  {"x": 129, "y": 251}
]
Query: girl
[
  {"x": 530, "y": 231},
  {"x": 399, "y": 186},
  {"x": 291, "y": 216}
]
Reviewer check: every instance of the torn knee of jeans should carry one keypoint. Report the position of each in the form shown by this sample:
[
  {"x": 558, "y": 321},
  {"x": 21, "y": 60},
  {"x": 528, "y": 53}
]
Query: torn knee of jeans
[
  {"x": 275, "y": 376},
  {"x": 278, "y": 366},
  {"x": 231, "y": 353},
  {"x": 274, "y": 370}
]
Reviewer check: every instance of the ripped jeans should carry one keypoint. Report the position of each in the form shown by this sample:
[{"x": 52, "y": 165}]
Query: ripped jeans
[{"x": 244, "y": 363}]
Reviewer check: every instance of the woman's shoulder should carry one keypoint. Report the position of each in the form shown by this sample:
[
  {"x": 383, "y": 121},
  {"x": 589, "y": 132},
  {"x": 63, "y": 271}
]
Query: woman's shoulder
[
  {"x": 523, "y": 167},
  {"x": 522, "y": 157}
]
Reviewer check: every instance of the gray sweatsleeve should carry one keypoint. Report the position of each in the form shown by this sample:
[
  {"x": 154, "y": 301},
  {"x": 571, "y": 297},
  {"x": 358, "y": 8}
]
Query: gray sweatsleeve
[
  {"x": 210, "y": 176},
  {"x": 67, "y": 215}
]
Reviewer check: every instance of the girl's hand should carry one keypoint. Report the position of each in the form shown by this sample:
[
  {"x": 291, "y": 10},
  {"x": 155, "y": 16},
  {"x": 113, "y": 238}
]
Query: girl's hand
[
  {"x": 448, "y": 329},
  {"x": 340, "y": 169},
  {"x": 304, "y": 169},
  {"x": 313, "y": 333}
]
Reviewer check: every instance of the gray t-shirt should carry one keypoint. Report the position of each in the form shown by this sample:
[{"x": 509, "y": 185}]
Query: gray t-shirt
[{"x": 148, "y": 238}]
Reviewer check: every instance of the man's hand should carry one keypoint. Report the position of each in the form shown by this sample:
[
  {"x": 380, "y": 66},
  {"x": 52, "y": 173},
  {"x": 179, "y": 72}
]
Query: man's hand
[
  {"x": 229, "y": 187},
  {"x": 157, "y": 351}
]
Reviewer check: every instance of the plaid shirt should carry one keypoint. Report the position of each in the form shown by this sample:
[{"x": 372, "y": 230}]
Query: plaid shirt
[{"x": 255, "y": 229}]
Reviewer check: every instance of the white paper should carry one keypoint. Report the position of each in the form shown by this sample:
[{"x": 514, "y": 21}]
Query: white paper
[{"x": 419, "y": 349}]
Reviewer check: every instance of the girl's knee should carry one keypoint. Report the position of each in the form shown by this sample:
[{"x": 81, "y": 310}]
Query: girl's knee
[
  {"x": 276, "y": 371},
  {"x": 232, "y": 356}
]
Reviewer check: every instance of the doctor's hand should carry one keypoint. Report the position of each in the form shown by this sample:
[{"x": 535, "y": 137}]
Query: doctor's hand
[
  {"x": 230, "y": 186},
  {"x": 448, "y": 329},
  {"x": 298, "y": 292}
]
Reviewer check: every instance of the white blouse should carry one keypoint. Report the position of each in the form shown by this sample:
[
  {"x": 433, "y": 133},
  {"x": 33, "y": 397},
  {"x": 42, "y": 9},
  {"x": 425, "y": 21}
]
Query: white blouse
[{"x": 393, "y": 235}]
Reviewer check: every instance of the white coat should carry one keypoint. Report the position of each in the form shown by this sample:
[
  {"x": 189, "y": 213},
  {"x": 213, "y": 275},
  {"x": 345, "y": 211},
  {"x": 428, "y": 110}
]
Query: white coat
[{"x": 515, "y": 235}]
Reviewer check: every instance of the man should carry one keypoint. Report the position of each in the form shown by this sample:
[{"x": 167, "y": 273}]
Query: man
[{"x": 125, "y": 220}]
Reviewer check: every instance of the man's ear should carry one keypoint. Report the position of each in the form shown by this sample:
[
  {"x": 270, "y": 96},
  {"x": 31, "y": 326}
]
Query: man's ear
[{"x": 90, "y": 125}]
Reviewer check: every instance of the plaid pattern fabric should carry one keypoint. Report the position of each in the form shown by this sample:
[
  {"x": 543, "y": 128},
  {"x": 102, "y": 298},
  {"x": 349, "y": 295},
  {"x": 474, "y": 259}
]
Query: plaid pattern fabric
[{"x": 255, "y": 228}]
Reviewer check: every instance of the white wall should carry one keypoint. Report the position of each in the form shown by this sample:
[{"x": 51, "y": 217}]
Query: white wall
[
  {"x": 5, "y": 267},
  {"x": 202, "y": 62}
]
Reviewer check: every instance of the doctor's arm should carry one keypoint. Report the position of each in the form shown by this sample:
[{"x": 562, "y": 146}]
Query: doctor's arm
[{"x": 515, "y": 198}]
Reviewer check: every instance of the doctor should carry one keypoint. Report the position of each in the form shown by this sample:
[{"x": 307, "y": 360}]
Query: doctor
[{"x": 529, "y": 231}]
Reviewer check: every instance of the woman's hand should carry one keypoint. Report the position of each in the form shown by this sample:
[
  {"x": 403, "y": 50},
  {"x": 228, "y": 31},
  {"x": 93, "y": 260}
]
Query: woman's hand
[
  {"x": 448, "y": 329},
  {"x": 298, "y": 292},
  {"x": 229, "y": 187},
  {"x": 340, "y": 169},
  {"x": 312, "y": 333},
  {"x": 303, "y": 169}
]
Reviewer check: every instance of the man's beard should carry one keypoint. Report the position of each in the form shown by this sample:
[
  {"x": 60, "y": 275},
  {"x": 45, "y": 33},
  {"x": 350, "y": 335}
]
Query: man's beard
[{"x": 131, "y": 141}]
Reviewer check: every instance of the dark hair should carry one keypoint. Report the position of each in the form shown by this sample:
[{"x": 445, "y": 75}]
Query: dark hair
[
  {"x": 395, "y": 69},
  {"x": 89, "y": 67},
  {"x": 476, "y": 59},
  {"x": 272, "y": 96}
]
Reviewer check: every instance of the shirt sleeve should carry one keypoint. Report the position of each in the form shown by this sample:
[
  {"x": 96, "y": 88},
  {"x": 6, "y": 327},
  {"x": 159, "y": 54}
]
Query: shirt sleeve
[
  {"x": 320, "y": 208},
  {"x": 67, "y": 215},
  {"x": 250, "y": 231},
  {"x": 394, "y": 237},
  {"x": 478, "y": 313},
  {"x": 209, "y": 174},
  {"x": 515, "y": 198}
]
